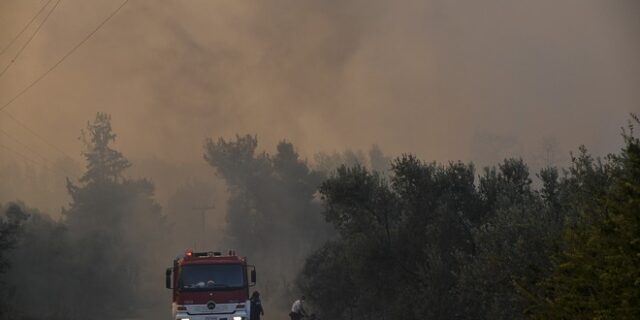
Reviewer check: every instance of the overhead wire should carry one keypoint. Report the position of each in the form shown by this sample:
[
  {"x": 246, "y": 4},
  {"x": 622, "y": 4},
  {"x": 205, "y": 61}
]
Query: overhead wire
[
  {"x": 70, "y": 52},
  {"x": 33, "y": 35},
  {"x": 27, "y": 159},
  {"x": 32, "y": 84},
  {"x": 24, "y": 145},
  {"x": 24, "y": 28},
  {"x": 61, "y": 172},
  {"x": 35, "y": 134}
]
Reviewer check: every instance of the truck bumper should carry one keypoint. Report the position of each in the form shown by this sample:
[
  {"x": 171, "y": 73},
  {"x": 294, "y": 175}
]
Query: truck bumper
[{"x": 235, "y": 316}]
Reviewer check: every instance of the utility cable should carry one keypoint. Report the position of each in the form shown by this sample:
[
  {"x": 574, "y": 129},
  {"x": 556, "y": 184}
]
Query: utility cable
[
  {"x": 24, "y": 145},
  {"x": 24, "y": 29},
  {"x": 70, "y": 52},
  {"x": 27, "y": 159},
  {"x": 62, "y": 174},
  {"x": 33, "y": 35},
  {"x": 35, "y": 134},
  {"x": 27, "y": 147}
]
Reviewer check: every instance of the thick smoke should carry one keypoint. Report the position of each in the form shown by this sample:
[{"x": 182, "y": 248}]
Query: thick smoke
[
  {"x": 446, "y": 80},
  {"x": 424, "y": 76}
]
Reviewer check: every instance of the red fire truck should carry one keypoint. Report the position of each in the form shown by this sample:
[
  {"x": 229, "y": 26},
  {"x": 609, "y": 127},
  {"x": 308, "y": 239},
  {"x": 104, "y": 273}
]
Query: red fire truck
[{"x": 210, "y": 286}]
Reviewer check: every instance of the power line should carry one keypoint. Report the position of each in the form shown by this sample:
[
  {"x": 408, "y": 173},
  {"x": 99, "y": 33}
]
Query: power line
[
  {"x": 35, "y": 134},
  {"x": 24, "y": 145},
  {"x": 27, "y": 159},
  {"x": 63, "y": 174},
  {"x": 24, "y": 29},
  {"x": 23, "y": 91},
  {"x": 27, "y": 147},
  {"x": 30, "y": 38},
  {"x": 85, "y": 39}
]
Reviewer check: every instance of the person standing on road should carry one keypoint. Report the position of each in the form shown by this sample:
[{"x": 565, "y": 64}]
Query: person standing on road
[
  {"x": 256, "y": 306},
  {"x": 297, "y": 310}
]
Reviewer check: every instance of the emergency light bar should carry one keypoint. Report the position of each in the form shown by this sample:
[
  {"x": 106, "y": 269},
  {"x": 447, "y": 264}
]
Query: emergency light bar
[{"x": 191, "y": 254}]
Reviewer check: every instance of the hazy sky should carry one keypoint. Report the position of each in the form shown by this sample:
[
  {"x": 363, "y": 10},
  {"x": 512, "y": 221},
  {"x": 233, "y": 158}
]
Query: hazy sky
[{"x": 427, "y": 77}]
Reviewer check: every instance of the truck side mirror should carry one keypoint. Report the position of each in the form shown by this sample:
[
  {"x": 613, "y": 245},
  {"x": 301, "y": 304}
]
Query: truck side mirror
[
  {"x": 253, "y": 276},
  {"x": 167, "y": 278}
]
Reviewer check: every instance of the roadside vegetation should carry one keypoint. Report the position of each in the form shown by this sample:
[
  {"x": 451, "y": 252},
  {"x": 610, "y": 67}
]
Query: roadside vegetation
[
  {"x": 441, "y": 241},
  {"x": 363, "y": 236}
]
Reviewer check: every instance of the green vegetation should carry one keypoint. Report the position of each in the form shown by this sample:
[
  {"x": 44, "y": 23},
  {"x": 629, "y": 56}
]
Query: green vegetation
[
  {"x": 418, "y": 240},
  {"x": 272, "y": 216},
  {"x": 596, "y": 273},
  {"x": 432, "y": 242}
]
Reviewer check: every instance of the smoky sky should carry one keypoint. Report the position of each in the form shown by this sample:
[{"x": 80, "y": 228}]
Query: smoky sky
[{"x": 427, "y": 77}]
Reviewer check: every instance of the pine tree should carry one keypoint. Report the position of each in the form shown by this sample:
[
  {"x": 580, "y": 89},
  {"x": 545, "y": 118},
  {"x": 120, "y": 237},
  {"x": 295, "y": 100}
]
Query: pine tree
[
  {"x": 114, "y": 221},
  {"x": 103, "y": 162}
]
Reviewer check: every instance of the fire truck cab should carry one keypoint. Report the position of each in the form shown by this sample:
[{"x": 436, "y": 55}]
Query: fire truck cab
[{"x": 210, "y": 286}]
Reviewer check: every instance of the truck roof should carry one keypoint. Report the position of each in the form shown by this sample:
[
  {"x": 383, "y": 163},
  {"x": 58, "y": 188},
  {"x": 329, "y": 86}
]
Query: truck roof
[{"x": 211, "y": 257}]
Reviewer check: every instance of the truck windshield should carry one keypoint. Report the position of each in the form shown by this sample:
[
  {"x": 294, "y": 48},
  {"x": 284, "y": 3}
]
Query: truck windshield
[{"x": 211, "y": 277}]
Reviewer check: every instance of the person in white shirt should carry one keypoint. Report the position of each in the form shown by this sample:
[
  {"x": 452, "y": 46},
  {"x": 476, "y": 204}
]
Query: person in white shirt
[{"x": 297, "y": 310}]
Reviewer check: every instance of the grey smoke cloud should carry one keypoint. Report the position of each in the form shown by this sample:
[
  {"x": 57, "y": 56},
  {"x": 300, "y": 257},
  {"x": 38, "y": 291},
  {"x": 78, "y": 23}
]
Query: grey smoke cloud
[{"x": 412, "y": 76}]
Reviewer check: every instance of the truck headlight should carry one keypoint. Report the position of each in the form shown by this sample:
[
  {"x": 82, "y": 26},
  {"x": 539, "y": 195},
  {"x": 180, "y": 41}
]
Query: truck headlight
[{"x": 237, "y": 318}]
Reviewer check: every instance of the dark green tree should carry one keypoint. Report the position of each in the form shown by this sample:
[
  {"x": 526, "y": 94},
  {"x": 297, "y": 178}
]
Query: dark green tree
[
  {"x": 401, "y": 237},
  {"x": 596, "y": 275},
  {"x": 40, "y": 265},
  {"x": 272, "y": 213},
  {"x": 512, "y": 242},
  {"x": 330, "y": 279},
  {"x": 11, "y": 222}
]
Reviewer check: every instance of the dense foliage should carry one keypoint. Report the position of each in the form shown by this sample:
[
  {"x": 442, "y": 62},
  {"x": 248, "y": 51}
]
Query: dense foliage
[
  {"x": 597, "y": 272},
  {"x": 116, "y": 223},
  {"x": 100, "y": 259},
  {"x": 10, "y": 226},
  {"x": 272, "y": 215},
  {"x": 434, "y": 242},
  {"x": 413, "y": 240}
]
